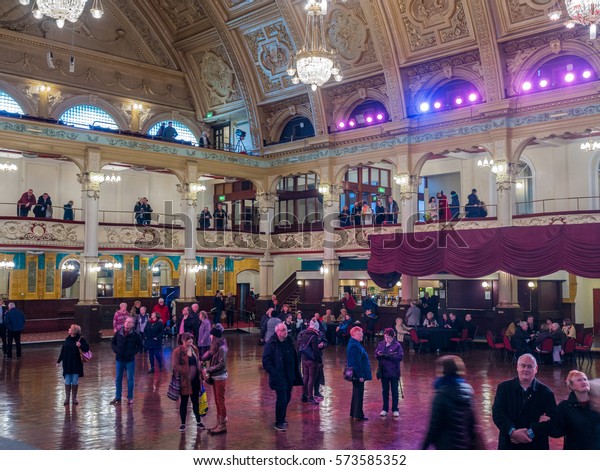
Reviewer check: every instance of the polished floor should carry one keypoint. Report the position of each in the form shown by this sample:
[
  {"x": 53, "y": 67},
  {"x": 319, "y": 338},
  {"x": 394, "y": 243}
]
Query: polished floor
[{"x": 31, "y": 393}]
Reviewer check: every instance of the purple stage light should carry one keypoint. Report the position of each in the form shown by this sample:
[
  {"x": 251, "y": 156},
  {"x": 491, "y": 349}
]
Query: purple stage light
[
  {"x": 586, "y": 74},
  {"x": 472, "y": 97},
  {"x": 458, "y": 100},
  {"x": 341, "y": 125},
  {"x": 369, "y": 119},
  {"x": 352, "y": 123},
  {"x": 437, "y": 105},
  {"x": 543, "y": 83},
  {"x": 569, "y": 77},
  {"x": 526, "y": 86},
  {"x": 424, "y": 107},
  {"x": 379, "y": 117}
]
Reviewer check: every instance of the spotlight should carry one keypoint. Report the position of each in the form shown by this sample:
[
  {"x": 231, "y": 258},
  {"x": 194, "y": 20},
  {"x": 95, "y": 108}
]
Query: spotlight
[
  {"x": 458, "y": 100},
  {"x": 526, "y": 86},
  {"x": 369, "y": 119},
  {"x": 543, "y": 83},
  {"x": 341, "y": 125},
  {"x": 424, "y": 107},
  {"x": 472, "y": 97},
  {"x": 586, "y": 74},
  {"x": 352, "y": 123},
  {"x": 569, "y": 77},
  {"x": 380, "y": 116},
  {"x": 437, "y": 105}
]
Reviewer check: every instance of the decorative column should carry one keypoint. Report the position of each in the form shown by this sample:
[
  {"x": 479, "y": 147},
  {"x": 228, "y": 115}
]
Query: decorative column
[
  {"x": 87, "y": 310},
  {"x": 505, "y": 184},
  {"x": 266, "y": 206},
  {"x": 331, "y": 276},
  {"x": 188, "y": 263},
  {"x": 409, "y": 214}
]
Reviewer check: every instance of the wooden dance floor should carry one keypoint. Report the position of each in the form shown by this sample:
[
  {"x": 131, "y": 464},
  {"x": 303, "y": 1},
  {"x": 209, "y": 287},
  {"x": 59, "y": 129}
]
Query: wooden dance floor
[{"x": 32, "y": 395}]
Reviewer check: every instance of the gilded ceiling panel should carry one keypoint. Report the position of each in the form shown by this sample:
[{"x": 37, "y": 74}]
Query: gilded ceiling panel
[
  {"x": 430, "y": 25},
  {"x": 181, "y": 13},
  {"x": 515, "y": 15},
  {"x": 218, "y": 77},
  {"x": 348, "y": 33},
  {"x": 271, "y": 50}
]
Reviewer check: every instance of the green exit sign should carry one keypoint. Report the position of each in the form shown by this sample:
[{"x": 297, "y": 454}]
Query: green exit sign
[
  {"x": 209, "y": 114},
  {"x": 381, "y": 190},
  {"x": 221, "y": 198}
]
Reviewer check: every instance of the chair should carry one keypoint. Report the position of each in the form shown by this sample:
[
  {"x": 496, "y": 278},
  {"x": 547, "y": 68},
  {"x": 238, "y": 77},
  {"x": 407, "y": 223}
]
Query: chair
[
  {"x": 569, "y": 349},
  {"x": 586, "y": 347},
  {"x": 579, "y": 337},
  {"x": 460, "y": 340},
  {"x": 545, "y": 349},
  {"x": 509, "y": 349},
  {"x": 414, "y": 337},
  {"x": 494, "y": 347}
]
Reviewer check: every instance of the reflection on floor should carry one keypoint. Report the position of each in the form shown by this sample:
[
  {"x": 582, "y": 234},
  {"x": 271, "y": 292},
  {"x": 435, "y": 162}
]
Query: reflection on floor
[{"x": 31, "y": 393}]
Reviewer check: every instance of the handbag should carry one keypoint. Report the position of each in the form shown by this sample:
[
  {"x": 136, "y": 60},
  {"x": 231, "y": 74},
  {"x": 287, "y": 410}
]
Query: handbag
[
  {"x": 378, "y": 372},
  {"x": 174, "y": 389},
  {"x": 307, "y": 352},
  {"x": 348, "y": 373},
  {"x": 202, "y": 401},
  {"x": 85, "y": 356}
]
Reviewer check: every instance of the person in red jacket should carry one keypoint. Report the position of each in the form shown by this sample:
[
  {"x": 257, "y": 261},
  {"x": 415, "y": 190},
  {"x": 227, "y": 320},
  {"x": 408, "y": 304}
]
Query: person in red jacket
[{"x": 162, "y": 310}]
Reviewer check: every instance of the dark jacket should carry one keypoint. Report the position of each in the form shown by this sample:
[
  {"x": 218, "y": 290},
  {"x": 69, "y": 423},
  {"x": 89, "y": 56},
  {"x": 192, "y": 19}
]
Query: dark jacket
[
  {"x": 204, "y": 219},
  {"x": 517, "y": 408},
  {"x": 14, "y": 320},
  {"x": 153, "y": 334},
  {"x": 579, "y": 424},
  {"x": 126, "y": 347},
  {"x": 357, "y": 358},
  {"x": 70, "y": 357},
  {"x": 218, "y": 359},
  {"x": 389, "y": 358},
  {"x": 190, "y": 325},
  {"x": 310, "y": 338},
  {"x": 281, "y": 361},
  {"x": 521, "y": 341},
  {"x": 229, "y": 304},
  {"x": 452, "y": 422}
]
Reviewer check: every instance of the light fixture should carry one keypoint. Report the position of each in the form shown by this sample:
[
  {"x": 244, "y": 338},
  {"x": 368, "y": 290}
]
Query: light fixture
[
  {"x": 44, "y": 87},
  {"x": 155, "y": 269},
  {"x": 112, "y": 178},
  {"x": 6, "y": 263},
  {"x": 110, "y": 266},
  {"x": 69, "y": 267},
  {"x": 362, "y": 284},
  {"x": 8, "y": 167},
  {"x": 324, "y": 270},
  {"x": 199, "y": 267},
  {"x": 486, "y": 285},
  {"x": 324, "y": 189},
  {"x": 531, "y": 285},
  {"x": 315, "y": 62},
  {"x": 485, "y": 163},
  {"x": 299, "y": 283},
  {"x": 62, "y": 10},
  {"x": 584, "y": 12},
  {"x": 197, "y": 187},
  {"x": 399, "y": 285},
  {"x": 590, "y": 146}
]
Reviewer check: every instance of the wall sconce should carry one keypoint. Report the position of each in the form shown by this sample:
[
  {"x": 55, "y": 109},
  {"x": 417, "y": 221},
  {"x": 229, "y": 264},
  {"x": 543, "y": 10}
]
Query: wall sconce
[
  {"x": 110, "y": 266},
  {"x": 324, "y": 188},
  {"x": 362, "y": 284},
  {"x": 197, "y": 187},
  {"x": 300, "y": 283},
  {"x": 44, "y": 87},
  {"x": 486, "y": 285},
  {"x": 69, "y": 267},
  {"x": 324, "y": 270},
  {"x": 137, "y": 106},
  {"x": 155, "y": 269},
  {"x": 199, "y": 267},
  {"x": 531, "y": 285},
  {"x": 401, "y": 179},
  {"x": 95, "y": 269},
  {"x": 6, "y": 263},
  {"x": 399, "y": 285}
]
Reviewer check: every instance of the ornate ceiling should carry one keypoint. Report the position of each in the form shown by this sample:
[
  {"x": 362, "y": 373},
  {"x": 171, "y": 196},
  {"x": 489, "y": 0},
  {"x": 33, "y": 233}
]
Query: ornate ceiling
[{"x": 230, "y": 56}]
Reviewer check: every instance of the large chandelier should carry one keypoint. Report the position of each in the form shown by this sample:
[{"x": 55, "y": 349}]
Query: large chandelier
[
  {"x": 315, "y": 62},
  {"x": 585, "y": 12},
  {"x": 62, "y": 10}
]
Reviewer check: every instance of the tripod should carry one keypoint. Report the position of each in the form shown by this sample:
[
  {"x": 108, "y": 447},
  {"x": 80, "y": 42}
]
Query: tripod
[{"x": 239, "y": 146}]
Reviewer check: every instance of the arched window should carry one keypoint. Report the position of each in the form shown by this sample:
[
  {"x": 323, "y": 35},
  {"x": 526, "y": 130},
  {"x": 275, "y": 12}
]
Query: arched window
[
  {"x": 184, "y": 133},
  {"x": 8, "y": 104},
  {"x": 300, "y": 203},
  {"x": 367, "y": 113},
  {"x": 297, "y": 128},
  {"x": 451, "y": 95},
  {"x": 365, "y": 184},
  {"x": 524, "y": 190},
  {"x": 559, "y": 72},
  {"x": 85, "y": 116}
]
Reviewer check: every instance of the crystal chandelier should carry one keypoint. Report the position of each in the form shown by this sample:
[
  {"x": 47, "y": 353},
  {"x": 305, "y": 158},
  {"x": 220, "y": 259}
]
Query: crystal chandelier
[
  {"x": 585, "y": 12},
  {"x": 62, "y": 10},
  {"x": 315, "y": 62}
]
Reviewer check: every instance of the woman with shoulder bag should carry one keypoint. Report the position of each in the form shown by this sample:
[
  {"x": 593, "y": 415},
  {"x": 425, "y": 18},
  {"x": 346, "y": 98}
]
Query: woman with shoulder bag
[
  {"x": 70, "y": 357},
  {"x": 358, "y": 361},
  {"x": 216, "y": 374},
  {"x": 186, "y": 365},
  {"x": 389, "y": 353}
]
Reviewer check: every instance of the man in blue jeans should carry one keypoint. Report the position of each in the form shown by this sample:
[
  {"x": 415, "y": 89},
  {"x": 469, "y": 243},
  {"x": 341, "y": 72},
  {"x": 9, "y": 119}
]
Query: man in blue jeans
[{"x": 126, "y": 343}]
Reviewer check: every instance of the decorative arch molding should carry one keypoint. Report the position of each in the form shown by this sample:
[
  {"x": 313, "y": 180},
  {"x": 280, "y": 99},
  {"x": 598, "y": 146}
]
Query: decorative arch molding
[
  {"x": 275, "y": 183},
  {"x": 163, "y": 259},
  {"x": 91, "y": 100},
  {"x": 286, "y": 115},
  {"x": 339, "y": 175},
  {"x": 17, "y": 95},
  {"x": 540, "y": 57},
  {"x": 353, "y": 101},
  {"x": 517, "y": 153},
  {"x": 437, "y": 81},
  {"x": 192, "y": 125},
  {"x": 66, "y": 259},
  {"x": 420, "y": 162}
]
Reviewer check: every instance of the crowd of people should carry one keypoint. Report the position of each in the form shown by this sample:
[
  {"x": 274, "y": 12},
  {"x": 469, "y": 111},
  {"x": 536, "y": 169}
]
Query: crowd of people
[
  {"x": 41, "y": 207},
  {"x": 439, "y": 209},
  {"x": 362, "y": 213}
]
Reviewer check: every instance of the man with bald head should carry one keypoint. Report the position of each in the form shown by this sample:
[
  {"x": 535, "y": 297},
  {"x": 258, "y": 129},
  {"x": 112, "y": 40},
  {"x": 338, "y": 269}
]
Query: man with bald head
[{"x": 524, "y": 409}]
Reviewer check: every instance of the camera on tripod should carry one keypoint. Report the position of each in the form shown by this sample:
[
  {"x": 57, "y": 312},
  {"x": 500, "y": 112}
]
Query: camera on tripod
[{"x": 240, "y": 134}]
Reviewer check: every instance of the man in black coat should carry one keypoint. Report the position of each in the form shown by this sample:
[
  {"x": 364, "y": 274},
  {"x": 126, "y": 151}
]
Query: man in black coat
[
  {"x": 280, "y": 360},
  {"x": 126, "y": 343},
  {"x": 524, "y": 409}
]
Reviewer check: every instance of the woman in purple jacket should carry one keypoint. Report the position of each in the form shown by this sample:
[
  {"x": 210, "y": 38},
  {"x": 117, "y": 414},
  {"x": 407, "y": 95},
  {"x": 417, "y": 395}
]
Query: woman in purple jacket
[{"x": 389, "y": 353}]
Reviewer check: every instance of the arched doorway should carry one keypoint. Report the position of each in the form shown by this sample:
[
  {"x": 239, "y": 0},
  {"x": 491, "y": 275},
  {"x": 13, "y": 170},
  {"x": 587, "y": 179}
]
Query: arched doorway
[{"x": 70, "y": 279}]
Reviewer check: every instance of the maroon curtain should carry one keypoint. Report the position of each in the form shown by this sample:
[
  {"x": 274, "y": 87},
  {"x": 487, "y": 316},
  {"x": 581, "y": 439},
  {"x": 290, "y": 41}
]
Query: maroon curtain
[{"x": 522, "y": 251}]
